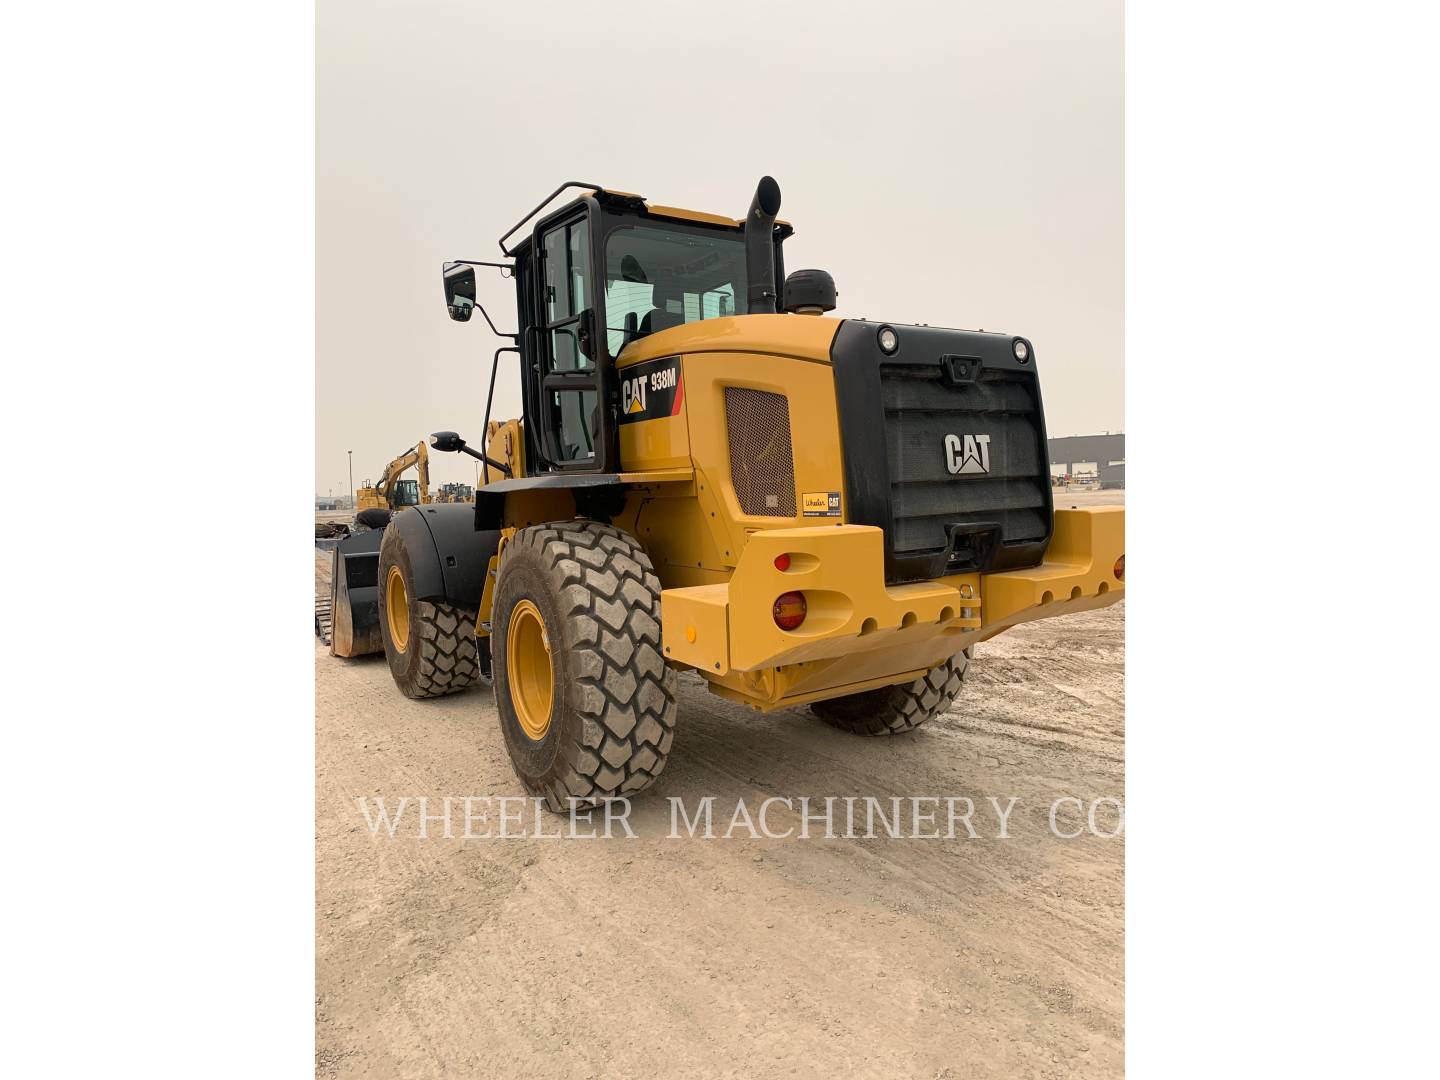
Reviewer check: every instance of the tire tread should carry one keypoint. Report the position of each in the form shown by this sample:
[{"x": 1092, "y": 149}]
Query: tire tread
[
  {"x": 448, "y": 662},
  {"x": 625, "y": 695},
  {"x": 894, "y": 710}
]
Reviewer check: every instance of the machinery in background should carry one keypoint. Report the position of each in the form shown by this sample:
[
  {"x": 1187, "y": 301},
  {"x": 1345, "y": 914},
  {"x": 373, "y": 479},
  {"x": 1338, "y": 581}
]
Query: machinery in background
[
  {"x": 455, "y": 493},
  {"x": 374, "y": 503}
]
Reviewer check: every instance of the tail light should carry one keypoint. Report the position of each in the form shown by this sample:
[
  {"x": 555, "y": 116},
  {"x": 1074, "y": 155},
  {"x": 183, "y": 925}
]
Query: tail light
[
  {"x": 1120, "y": 568},
  {"x": 789, "y": 610},
  {"x": 782, "y": 562}
]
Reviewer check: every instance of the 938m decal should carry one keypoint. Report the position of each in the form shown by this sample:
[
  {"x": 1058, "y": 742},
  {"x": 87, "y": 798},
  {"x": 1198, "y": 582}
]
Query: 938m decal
[{"x": 651, "y": 390}]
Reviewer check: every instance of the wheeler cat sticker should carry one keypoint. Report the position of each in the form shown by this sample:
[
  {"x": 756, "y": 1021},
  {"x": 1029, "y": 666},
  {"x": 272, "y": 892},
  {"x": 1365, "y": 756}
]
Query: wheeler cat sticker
[{"x": 820, "y": 504}]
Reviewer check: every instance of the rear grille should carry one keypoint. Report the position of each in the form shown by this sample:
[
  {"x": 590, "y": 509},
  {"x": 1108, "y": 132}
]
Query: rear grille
[
  {"x": 762, "y": 466},
  {"x": 922, "y": 408}
]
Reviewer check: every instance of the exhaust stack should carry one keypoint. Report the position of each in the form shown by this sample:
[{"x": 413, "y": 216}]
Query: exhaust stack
[{"x": 760, "y": 247}]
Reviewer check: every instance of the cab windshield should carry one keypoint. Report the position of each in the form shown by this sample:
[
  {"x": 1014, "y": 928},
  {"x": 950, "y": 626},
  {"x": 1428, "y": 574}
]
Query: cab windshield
[{"x": 657, "y": 277}]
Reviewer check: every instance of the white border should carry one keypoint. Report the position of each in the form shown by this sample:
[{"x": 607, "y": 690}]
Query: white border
[
  {"x": 158, "y": 331},
  {"x": 1281, "y": 296},
  {"x": 158, "y": 285}
]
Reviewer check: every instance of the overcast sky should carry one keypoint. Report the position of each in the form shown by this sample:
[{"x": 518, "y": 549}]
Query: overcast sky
[{"x": 950, "y": 162}]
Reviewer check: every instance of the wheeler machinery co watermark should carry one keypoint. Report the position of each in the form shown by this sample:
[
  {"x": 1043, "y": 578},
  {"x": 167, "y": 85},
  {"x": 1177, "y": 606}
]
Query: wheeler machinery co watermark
[{"x": 833, "y": 817}]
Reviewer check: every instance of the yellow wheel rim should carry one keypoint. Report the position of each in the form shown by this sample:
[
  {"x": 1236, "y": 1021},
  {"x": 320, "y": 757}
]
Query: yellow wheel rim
[
  {"x": 527, "y": 664},
  {"x": 397, "y": 609}
]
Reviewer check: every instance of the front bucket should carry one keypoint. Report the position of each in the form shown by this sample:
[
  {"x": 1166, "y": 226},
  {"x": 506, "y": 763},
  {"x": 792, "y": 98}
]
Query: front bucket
[{"x": 356, "y": 595}]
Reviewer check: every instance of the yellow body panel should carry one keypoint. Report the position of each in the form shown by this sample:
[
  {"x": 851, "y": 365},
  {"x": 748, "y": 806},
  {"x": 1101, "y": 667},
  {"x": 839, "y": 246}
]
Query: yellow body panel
[
  {"x": 693, "y": 215},
  {"x": 696, "y": 531},
  {"x": 859, "y": 632},
  {"x": 680, "y": 213},
  {"x": 1078, "y": 572},
  {"x": 505, "y": 441},
  {"x": 487, "y": 592},
  {"x": 657, "y": 476},
  {"x": 662, "y": 443},
  {"x": 801, "y": 337}
]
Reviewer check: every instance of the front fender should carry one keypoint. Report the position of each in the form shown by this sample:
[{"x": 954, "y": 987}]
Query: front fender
[{"x": 448, "y": 555}]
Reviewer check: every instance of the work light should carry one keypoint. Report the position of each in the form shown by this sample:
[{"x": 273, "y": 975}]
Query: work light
[{"x": 889, "y": 341}]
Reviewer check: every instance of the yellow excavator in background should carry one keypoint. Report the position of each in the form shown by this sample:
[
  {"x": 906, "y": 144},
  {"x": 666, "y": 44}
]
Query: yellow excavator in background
[{"x": 374, "y": 503}]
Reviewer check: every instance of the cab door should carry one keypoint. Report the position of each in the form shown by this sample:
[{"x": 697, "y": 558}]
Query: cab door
[{"x": 572, "y": 429}]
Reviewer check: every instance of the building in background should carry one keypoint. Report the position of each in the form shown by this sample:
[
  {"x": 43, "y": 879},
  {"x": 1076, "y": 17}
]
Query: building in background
[{"x": 1090, "y": 458}]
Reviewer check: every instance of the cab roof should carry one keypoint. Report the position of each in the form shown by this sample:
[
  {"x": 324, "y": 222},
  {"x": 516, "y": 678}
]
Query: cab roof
[{"x": 631, "y": 200}]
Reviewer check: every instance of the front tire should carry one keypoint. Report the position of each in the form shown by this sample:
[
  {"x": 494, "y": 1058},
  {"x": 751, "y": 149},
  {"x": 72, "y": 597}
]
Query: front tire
[
  {"x": 430, "y": 645},
  {"x": 586, "y": 700},
  {"x": 894, "y": 710}
]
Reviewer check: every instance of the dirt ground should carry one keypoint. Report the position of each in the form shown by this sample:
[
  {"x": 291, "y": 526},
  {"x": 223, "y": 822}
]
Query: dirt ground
[{"x": 741, "y": 957}]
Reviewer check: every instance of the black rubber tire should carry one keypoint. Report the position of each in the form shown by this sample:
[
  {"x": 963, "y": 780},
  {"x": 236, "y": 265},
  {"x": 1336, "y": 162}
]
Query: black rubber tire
[
  {"x": 893, "y": 710},
  {"x": 612, "y": 719},
  {"x": 440, "y": 656},
  {"x": 373, "y": 518}
]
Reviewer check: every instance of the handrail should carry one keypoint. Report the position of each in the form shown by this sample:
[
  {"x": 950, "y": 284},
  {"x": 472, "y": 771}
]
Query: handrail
[{"x": 543, "y": 203}]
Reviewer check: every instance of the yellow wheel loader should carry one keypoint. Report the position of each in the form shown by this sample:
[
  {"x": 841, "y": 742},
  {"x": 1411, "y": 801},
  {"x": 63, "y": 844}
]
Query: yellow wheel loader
[
  {"x": 455, "y": 493},
  {"x": 713, "y": 475}
]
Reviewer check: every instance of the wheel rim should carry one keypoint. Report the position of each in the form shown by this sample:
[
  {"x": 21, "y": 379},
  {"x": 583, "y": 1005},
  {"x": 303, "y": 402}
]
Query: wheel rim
[
  {"x": 397, "y": 609},
  {"x": 527, "y": 663}
]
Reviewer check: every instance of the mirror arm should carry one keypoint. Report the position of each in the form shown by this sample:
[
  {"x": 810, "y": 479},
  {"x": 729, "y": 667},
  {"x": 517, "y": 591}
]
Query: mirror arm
[
  {"x": 461, "y": 447},
  {"x": 495, "y": 329},
  {"x": 487, "y": 459},
  {"x": 502, "y": 267},
  {"x": 482, "y": 262}
]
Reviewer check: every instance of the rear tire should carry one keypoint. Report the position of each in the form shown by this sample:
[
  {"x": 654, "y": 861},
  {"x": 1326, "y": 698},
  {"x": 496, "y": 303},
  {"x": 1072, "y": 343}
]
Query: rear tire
[
  {"x": 893, "y": 710},
  {"x": 579, "y": 601},
  {"x": 430, "y": 645}
]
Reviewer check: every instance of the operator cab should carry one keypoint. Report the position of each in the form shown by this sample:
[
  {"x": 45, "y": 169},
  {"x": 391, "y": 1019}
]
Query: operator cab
[
  {"x": 600, "y": 272},
  {"x": 404, "y": 493}
]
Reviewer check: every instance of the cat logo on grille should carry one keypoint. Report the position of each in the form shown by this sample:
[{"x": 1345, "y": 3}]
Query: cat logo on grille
[{"x": 968, "y": 454}]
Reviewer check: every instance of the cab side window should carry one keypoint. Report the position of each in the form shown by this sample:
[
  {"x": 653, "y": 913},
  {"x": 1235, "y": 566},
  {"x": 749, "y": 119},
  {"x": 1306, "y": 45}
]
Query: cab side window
[{"x": 566, "y": 258}]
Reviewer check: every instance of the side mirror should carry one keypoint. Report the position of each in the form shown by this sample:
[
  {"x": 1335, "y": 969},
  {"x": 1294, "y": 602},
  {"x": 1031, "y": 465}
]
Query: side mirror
[
  {"x": 447, "y": 442},
  {"x": 459, "y": 290}
]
